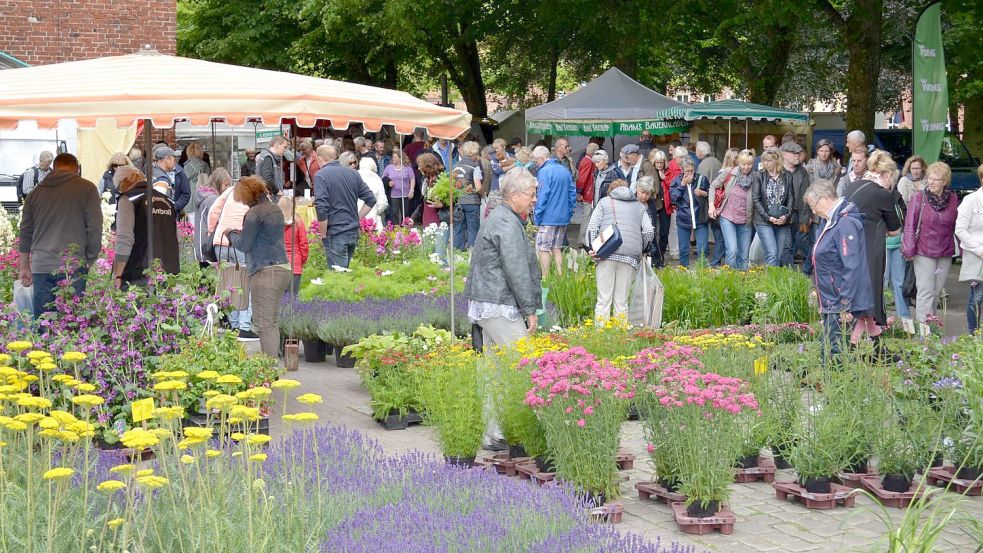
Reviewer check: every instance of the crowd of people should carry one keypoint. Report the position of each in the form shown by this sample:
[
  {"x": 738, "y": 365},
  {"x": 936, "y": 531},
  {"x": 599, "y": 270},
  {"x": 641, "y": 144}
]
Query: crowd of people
[{"x": 800, "y": 211}]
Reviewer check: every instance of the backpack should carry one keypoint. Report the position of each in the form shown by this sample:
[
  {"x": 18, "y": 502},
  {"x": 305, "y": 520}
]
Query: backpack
[{"x": 23, "y": 179}]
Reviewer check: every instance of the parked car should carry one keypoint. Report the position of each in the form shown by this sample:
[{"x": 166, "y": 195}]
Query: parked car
[{"x": 898, "y": 142}]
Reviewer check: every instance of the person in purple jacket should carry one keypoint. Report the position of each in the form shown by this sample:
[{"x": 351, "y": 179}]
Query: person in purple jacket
[
  {"x": 840, "y": 269},
  {"x": 928, "y": 239}
]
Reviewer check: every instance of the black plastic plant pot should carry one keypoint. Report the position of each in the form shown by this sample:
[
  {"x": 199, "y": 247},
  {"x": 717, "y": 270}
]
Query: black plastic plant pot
[
  {"x": 343, "y": 361},
  {"x": 459, "y": 461},
  {"x": 781, "y": 462},
  {"x": 313, "y": 350},
  {"x": 969, "y": 473},
  {"x": 633, "y": 414},
  {"x": 817, "y": 485},
  {"x": 671, "y": 486},
  {"x": 544, "y": 464},
  {"x": 517, "y": 450},
  {"x": 591, "y": 499},
  {"x": 897, "y": 483},
  {"x": 938, "y": 460},
  {"x": 858, "y": 466},
  {"x": 697, "y": 510},
  {"x": 747, "y": 462},
  {"x": 394, "y": 421}
]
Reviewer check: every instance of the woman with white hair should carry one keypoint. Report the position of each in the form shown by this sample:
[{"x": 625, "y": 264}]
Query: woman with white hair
[
  {"x": 604, "y": 175},
  {"x": 116, "y": 161},
  {"x": 367, "y": 170}
]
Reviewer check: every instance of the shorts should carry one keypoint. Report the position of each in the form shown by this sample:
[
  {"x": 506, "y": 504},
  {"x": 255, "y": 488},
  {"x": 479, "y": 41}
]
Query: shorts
[{"x": 550, "y": 238}]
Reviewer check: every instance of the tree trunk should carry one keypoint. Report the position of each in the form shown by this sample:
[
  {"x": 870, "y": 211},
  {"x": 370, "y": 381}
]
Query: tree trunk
[
  {"x": 392, "y": 74},
  {"x": 864, "y": 45},
  {"x": 973, "y": 125},
  {"x": 467, "y": 78},
  {"x": 551, "y": 85}
]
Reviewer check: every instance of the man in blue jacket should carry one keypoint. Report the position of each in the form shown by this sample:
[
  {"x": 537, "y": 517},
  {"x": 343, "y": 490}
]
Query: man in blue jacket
[
  {"x": 167, "y": 171},
  {"x": 555, "y": 198},
  {"x": 839, "y": 266}
]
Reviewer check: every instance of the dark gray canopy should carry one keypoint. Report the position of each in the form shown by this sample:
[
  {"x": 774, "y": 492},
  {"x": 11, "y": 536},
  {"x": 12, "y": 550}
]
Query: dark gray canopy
[{"x": 613, "y": 96}]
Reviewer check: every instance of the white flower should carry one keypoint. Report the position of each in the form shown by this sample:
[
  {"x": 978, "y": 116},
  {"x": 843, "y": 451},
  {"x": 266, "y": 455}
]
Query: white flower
[
  {"x": 339, "y": 269},
  {"x": 431, "y": 278},
  {"x": 386, "y": 273},
  {"x": 106, "y": 196},
  {"x": 434, "y": 258},
  {"x": 317, "y": 282}
]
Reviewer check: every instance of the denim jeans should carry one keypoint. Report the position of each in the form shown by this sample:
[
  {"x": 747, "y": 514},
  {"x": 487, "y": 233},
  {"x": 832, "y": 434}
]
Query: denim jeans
[
  {"x": 738, "y": 240},
  {"x": 973, "y": 305},
  {"x": 702, "y": 235},
  {"x": 773, "y": 240},
  {"x": 46, "y": 285},
  {"x": 894, "y": 276},
  {"x": 466, "y": 228},
  {"x": 242, "y": 320},
  {"x": 719, "y": 244},
  {"x": 834, "y": 338},
  {"x": 440, "y": 248},
  {"x": 340, "y": 248}
]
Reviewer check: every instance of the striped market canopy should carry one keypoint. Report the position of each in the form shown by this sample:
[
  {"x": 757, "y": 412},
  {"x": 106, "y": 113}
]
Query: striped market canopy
[
  {"x": 165, "y": 89},
  {"x": 732, "y": 109}
]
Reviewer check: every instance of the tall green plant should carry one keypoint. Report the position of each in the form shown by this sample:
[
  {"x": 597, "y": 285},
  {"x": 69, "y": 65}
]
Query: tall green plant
[{"x": 452, "y": 401}]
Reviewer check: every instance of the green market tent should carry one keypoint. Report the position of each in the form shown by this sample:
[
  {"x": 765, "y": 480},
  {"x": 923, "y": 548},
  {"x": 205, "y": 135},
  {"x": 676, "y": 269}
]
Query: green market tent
[
  {"x": 610, "y": 105},
  {"x": 732, "y": 109}
]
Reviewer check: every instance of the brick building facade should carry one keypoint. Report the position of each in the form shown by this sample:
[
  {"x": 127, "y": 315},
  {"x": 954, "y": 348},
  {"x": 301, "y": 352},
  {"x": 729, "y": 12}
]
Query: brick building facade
[{"x": 40, "y": 32}]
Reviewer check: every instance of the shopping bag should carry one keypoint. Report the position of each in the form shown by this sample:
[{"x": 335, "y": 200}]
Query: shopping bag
[
  {"x": 233, "y": 278},
  {"x": 645, "y": 308},
  {"x": 24, "y": 297}
]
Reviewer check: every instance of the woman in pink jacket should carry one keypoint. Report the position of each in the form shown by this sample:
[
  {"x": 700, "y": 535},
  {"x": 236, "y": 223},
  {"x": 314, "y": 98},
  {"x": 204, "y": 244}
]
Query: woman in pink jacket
[
  {"x": 928, "y": 239},
  {"x": 227, "y": 214}
]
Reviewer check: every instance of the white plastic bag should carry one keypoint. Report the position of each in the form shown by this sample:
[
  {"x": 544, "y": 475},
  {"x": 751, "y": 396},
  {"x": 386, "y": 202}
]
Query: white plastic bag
[
  {"x": 647, "y": 294},
  {"x": 24, "y": 297}
]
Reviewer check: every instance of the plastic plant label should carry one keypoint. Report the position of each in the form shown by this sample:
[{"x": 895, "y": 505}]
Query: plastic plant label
[
  {"x": 761, "y": 365},
  {"x": 142, "y": 409}
]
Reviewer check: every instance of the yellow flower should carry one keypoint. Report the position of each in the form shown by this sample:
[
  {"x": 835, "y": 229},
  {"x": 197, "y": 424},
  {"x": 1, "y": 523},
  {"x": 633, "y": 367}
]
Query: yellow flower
[
  {"x": 63, "y": 417},
  {"x": 87, "y": 400},
  {"x": 301, "y": 417},
  {"x": 237, "y": 436},
  {"x": 5, "y": 359},
  {"x": 161, "y": 433},
  {"x": 144, "y": 472},
  {"x": 197, "y": 433},
  {"x": 15, "y": 426},
  {"x": 168, "y": 413},
  {"x": 170, "y": 386},
  {"x": 211, "y": 393},
  {"x": 29, "y": 418},
  {"x": 285, "y": 384},
  {"x": 37, "y": 354},
  {"x": 2, "y": 443},
  {"x": 73, "y": 356},
  {"x": 237, "y": 454},
  {"x": 86, "y": 388},
  {"x": 61, "y": 378},
  {"x": 110, "y": 486},
  {"x": 309, "y": 399},
  {"x": 187, "y": 459},
  {"x": 71, "y": 383},
  {"x": 222, "y": 402},
  {"x": 116, "y": 523},
  {"x": 207, "y": 375},
  {"x": 59, "y": 473},
  {"x": 122, "y": 469},
  {"x": 34, "y": 402},
  {"x": 152, "y": 482},
  {"x": 139, "y": 438},
  {"x": 47, "y": 366},
  {"x": 212, "y": 453},
  {"x": 177, "y": 375},
  {"x": 19, "y": 345},
  {"x": 257, "y": 457},
  {"x": 258, "y": 439},
  {"x": 49, "y": 422},
  {"x": 229, "y": 379},
  {"x": 245, "y": 413},
  {"x": 189, "y": 442}
]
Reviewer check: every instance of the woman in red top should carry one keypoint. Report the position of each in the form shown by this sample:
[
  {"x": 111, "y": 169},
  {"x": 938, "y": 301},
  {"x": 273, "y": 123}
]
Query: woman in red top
[
  {"x": 295, "y": 240},
  {"x": 430, "y": 168}
]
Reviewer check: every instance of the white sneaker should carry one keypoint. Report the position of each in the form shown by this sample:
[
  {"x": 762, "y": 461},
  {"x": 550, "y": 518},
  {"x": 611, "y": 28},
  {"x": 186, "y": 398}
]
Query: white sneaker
[
  {"x": 908, "y": 325},
  {"x": 924, "y": 330}
]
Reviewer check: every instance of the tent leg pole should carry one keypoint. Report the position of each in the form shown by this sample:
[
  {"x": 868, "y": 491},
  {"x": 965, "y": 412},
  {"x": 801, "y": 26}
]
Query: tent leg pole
[
  {"x": 450, "y": 231},
  {"x": 728, "y": 134},
  {"x": 745, "y": 134},
  {"x": 148, "y": 164}
]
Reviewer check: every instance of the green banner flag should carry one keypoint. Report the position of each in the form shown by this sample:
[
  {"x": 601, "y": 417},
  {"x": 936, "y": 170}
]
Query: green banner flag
[{"x": 930, "y": 88}]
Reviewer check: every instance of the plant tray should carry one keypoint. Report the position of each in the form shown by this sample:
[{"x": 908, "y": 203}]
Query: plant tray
[
  {"x": 723, "y": 521},
  {"x": 841, "y": 495},
  {"x": 543, "y": 477},
  {"x": 625, "y": 459},
  {"x": 506, "y": 465},
  {"x": 943, "y": 476},
  {"x": 765, "y": 471},
  {"x": 609, "y": 512},
  {"x": 400, "y": 422},
  {"x": 126, "y": 454},
  {"x": 853, "y": 479},
  {"x": 887, "y": 498},
  {"x": 647, "y": 489}
]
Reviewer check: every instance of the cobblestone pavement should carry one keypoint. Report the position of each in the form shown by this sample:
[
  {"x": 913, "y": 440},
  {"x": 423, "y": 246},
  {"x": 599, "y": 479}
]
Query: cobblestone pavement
[{"x": 763, "y": 522}]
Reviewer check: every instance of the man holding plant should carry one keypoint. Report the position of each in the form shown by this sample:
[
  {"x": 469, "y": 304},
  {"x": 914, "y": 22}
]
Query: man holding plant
[{"x": 839, "y": 265}]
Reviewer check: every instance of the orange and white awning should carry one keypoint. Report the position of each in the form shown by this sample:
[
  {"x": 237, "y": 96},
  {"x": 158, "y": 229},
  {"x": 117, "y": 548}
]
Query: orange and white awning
[{"x": 149, "y": 85}]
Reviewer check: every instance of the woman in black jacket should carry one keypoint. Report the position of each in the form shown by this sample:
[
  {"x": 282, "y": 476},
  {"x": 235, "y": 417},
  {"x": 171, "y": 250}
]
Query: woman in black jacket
[{"x": 774, "y": 202}]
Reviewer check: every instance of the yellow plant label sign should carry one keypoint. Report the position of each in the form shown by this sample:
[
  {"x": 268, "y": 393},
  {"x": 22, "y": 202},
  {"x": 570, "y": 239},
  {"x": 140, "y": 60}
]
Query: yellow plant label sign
[
  {"x": 142, "y": 409},
  {"x": 761, "y": 365}
]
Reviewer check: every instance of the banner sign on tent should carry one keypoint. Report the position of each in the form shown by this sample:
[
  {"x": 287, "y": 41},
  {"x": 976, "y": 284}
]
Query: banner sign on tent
[
  {"x": 606, "y": 128},
  {"x": 930, "y": 110}
]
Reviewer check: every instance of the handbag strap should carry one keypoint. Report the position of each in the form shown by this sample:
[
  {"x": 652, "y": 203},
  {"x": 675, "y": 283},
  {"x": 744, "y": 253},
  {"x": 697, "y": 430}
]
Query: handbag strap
[
  {"x": 614, "y": 214},
  {"x": 921, "y": 210}
]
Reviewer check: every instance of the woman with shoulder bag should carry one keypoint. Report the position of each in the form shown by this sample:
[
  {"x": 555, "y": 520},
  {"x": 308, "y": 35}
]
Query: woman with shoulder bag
[
  {"x": 774, "y": 201},
  {"x": 616, "y": 270},
  {"x": 928, "y": 239},
  {"x": 716, "y": 203},
  {"x": 225, "y": 215},
  {"x": 736, "y": 208},
  {"x": 896, "y": 269}
]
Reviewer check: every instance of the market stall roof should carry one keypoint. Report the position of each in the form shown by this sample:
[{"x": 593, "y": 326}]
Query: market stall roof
[
  {"x": 610, "y": 105},
  {"x": 149, "y": 85},
  {"x": 732, "y": 109}
]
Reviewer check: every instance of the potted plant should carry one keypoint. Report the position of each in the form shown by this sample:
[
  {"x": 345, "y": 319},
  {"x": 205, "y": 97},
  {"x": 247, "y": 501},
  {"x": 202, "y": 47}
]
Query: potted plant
[
  {"x": 449, "y": 389},
  {"x": 580, "y": 402},
  {"x": 897, "y": 447},
  {"x": 826, "y": 439}
]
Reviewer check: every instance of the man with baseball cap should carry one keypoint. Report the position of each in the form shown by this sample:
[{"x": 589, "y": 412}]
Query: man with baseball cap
[
  {"x": 168, "y": 173},
  {"x": 801, "y": 222},
  {"x": 630, "y": 164}
]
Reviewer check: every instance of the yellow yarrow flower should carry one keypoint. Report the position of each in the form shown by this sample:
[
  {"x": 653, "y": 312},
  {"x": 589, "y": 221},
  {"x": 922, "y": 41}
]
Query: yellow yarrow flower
[
  {"x": 73, "y": 356},
  {"x": 197, "y": 433},
  {"x": 122, "y": 469},
  {"x": 88, "y": 400},
  {"x": 110, "y": 486},
  {"x": 211, "y": 393},
  {"x": 207, "y": 375},
  {"x": 229, "y": 379},
  {"x": 46, "y": 366},
  {"x": 116, "y": 523},
  {"x": 221, "y": 402},
  {"x": 285, "y": 384},
  {"x": 237, "y": 436},
  {"x": 5, "y": 359},
  {"x": 161, "y": 433},
  {"x": 15, "y": 426},
  {"x": 301, "y": 417},
  {"x": 29, "y": 418},
  {"x": 86, "y": 388},
  {"x": 63, "y": 417},
  {"x": 212, "y": 453},
  {"x": 187, "y": 459},
  {"x": 144, "y": 472},
  {"x": 49, "y": 422},
  {"x": 152, "y": 482},
  {"x": 36, "y": 354},
  {"x": 309, "y": 399},
  {"x": 170, "y": 386},
  {"x": 258, "y": 439},
  {"x": 34, "y": 402},
  {"x": 245, "y": 413},
  {"x": 59, "y": 473},
  {"x": 19, "y": 345},
  {"x": 139, "y": 438},
  {"x": 257, "y": 457},
  {"x": 189, "y": 442},
  {"x": 167, "y": 413},
  {"x": 61, "y": 378}
]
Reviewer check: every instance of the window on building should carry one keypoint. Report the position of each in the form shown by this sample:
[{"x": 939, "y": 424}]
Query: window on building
[{"x": 683, "y": 97}]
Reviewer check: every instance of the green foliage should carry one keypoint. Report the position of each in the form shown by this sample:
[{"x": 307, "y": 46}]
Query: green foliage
[
  {"x": 573, "y": 293},
  {"x": 508, "y": 383},
  {"x": 413, "y": 277},
  {"x": 440, "y": 192},
  {"x": 452, "y": 400}
]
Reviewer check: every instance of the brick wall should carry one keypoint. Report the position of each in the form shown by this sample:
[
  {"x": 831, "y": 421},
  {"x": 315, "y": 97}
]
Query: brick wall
[{"x": 50, "y": 31}]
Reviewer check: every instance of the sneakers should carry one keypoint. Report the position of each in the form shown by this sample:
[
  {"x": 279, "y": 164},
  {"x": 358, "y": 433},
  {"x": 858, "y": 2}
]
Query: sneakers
[
  {"x": 908, "y": 325},
  {"x": 248, "y": 336}
]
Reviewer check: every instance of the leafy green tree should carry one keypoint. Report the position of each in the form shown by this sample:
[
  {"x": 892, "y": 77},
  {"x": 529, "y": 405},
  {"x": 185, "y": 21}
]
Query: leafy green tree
[{"x": 962, "y": 21}]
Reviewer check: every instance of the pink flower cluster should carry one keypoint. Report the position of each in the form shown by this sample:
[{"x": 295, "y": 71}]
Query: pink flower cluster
[
  {"x": 575, "y": 379},
  {"x": 652, "y": 361},
  {"x": 185, "y": 229},
  {"x": 681, "y": 387},
  {"x": 390, "y": 241}
]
